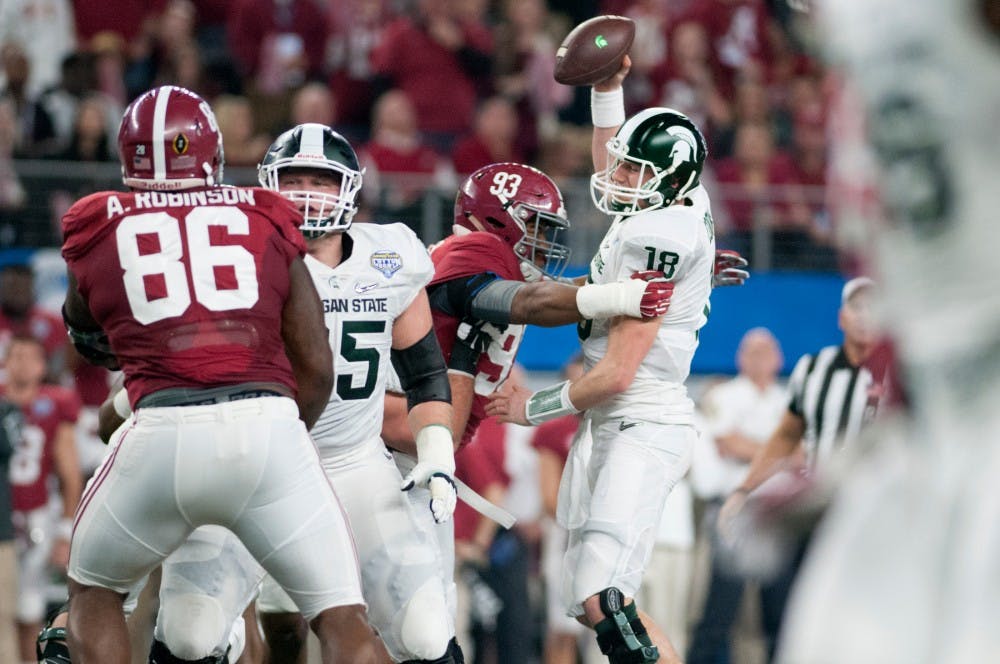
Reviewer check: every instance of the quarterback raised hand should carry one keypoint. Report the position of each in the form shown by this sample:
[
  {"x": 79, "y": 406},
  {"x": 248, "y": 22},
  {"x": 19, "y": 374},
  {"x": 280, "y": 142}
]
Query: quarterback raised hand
[
  {"x": 729, "y": 269},
  {"x": 435, "y": 470}
]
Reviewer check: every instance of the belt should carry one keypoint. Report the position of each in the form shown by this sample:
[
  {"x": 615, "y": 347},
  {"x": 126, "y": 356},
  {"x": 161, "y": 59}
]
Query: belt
[{"x": 173, "y": 397}]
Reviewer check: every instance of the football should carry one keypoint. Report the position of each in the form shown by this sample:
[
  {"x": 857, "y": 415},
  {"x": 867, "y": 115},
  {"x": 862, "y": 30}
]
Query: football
[{"x": 594, "y": 50}]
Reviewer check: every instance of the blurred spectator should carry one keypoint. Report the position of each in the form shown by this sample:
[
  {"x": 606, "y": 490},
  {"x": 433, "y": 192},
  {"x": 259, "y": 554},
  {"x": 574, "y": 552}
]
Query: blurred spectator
[
  {"x": 565, "y": 157},
  {"x": 809, "y": 166},
  {"x": 79, "y": 80},
  {"x": 279, "y": 43},
  {"x": 355, "y": 30},
  {"x": 244, "y": 145},
  {"x": 525, "y": 59},
  {"x": 493, "y": 139},
  {"x": 738, "y": 34},
  {"x": 11, "y": 192},
  {"x": 124, "y": 17},
  {"x": 46, "y": 453},
  {"x": 436, "y": 58},
  {"x": 685, "y": 80},
  {"x": 158, "y": 52},
  {"x": 48, "y": 34},
  {"x": 653, "y": 19},
  {"x": 399, "y": 166},
  {"x": 109, "y": 66},
  {"x": 314, "y": 102},
  {"x": 11, "y": 425},
  {"x": 740, "y": 416},
  {"x": 759, "y": 191},
  {"x": 750, "y": 105},
  {"x": 89, "y": 140},
  {"x": 36, "y": 132},
  {"x": 21, "y": 316}
]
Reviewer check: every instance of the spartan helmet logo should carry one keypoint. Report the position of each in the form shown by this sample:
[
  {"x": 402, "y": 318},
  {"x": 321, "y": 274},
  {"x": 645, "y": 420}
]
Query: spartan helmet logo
[
  {"x": 684, "y": 149},
  {"x": 180, "y": 144}
]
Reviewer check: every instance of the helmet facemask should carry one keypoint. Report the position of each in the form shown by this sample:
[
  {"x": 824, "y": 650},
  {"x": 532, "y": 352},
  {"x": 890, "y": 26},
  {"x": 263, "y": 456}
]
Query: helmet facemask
[
  {"x": 660, "y": 183},
  {"x": 323, "y": 212},
  {"x": 540, "y": 251}
]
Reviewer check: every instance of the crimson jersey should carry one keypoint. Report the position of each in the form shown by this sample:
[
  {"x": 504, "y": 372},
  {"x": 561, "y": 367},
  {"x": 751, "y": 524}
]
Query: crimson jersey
[
  {"x": 189, "y": 286},
  {"x": 32, "y": 460},
  {"x": 463, "y": 256}
]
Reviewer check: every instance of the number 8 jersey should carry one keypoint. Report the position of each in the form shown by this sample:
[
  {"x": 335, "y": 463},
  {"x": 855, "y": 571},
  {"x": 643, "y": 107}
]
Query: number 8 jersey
[
  {"x": 679, "y": 241},
  {"x": 192, "y": 283},
  {"x": 362, "y": 297}
]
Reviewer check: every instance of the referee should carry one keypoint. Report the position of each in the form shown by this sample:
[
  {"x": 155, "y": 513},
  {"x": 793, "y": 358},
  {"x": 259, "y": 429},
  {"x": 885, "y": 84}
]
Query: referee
[{"x": 831, "y": 396}]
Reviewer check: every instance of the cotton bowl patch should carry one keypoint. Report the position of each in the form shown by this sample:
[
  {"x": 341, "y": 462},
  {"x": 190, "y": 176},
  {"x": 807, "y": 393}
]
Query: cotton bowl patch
[{"x": 387, "y": 262}]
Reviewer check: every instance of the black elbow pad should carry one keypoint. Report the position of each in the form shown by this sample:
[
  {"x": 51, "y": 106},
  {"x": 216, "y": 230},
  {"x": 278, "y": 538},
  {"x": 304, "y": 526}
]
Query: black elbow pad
[{"x": 422, "y": 371}]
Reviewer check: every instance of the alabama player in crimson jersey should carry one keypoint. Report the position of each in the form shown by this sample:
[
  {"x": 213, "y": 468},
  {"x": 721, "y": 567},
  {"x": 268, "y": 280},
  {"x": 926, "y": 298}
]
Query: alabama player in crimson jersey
[
  {"x": 46, "y": 449},
  {"x": 199, "y": 293}
]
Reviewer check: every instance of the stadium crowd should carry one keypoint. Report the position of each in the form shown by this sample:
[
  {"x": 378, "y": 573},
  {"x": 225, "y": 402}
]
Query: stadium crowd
[{"x": 429, "y": 91}]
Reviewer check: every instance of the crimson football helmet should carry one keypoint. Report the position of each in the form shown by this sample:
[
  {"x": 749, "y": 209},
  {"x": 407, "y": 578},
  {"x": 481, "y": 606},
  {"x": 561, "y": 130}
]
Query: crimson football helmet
[
  {"x": 523, "y": 207},
  {"x": 169, "y": 140}
]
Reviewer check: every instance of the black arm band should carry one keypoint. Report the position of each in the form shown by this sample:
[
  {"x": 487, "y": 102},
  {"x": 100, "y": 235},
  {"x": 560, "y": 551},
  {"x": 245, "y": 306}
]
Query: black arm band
[{"x": 422, "y": 371}]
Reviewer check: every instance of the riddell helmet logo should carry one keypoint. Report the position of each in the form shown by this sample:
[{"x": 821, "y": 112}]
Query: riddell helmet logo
[{"x": 180, "y": 144}]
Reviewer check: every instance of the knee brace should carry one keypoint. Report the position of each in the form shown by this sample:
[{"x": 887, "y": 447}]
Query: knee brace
[
  {"x": 424, "y": 629},
  {"x": 50, "y": 646},
  {"x": 621, "y": 635},
  {"x": 159, "y": 653},
  {"x": 193, "y": 628}
]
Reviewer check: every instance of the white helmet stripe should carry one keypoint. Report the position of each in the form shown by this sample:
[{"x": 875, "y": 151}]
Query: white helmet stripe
[
  {"x": 312, "y": 138},
  {"x": 159, "y": 122}
]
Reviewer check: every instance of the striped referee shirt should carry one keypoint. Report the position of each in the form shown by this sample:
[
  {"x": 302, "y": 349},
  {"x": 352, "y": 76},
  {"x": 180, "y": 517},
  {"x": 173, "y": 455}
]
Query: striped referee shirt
[{"x": 833, "y": 398}]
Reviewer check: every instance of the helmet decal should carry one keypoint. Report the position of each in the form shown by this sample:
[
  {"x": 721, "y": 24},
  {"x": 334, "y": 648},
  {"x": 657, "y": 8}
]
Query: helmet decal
[{"x": 178, "y": 118}]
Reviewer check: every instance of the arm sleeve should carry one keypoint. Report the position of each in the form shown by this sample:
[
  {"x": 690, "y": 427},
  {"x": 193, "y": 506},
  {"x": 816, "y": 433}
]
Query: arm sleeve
[{"x": 455, "y": 297}]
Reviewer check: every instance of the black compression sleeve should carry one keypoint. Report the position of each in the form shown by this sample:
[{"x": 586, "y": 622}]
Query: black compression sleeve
[{"x": 422, "y": 371}]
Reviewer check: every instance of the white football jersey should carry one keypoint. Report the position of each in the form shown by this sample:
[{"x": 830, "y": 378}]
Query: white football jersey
[
  {"x": 679, "y": 241},
  {"x": 362, "y": 297},
  {"x": 928, "y": 73}
]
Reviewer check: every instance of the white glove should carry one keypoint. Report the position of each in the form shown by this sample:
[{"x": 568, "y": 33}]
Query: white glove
[{"x": 434, "y": 470}]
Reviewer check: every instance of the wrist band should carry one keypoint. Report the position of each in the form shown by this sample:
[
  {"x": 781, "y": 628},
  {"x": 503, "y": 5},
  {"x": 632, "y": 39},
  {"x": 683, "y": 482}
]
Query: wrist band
[
  {"x": 607, "y": 109},
  {"x": 549, "y": 403},
  {"x": 608, "y": 300},
  {"x": 121, "y": 405}
]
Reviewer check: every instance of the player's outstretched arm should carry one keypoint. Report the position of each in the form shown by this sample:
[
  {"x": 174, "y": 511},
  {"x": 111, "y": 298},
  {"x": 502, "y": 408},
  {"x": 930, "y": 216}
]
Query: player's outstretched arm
[
  {"x": 551, "y": 303},
  {"x": 629, "y": 340},
  {"x": 419, "y": 363},
  {"x": 607, "y": 108},
  {"x": 307, "y": 344}
]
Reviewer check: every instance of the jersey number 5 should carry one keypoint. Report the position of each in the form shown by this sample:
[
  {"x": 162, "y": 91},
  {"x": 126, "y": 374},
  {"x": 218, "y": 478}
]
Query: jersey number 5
[{"x": 151, "y": 253}]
